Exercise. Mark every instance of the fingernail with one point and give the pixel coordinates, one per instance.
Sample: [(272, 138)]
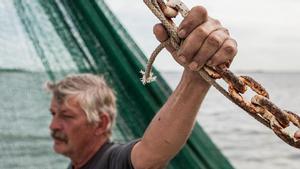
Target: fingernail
[(182, 59), (193, 66), (182, 33)]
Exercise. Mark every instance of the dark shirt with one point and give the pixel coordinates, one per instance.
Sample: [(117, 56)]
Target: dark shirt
[(111, 156)]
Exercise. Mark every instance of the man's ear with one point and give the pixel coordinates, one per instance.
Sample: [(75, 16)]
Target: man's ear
[(103, 124)]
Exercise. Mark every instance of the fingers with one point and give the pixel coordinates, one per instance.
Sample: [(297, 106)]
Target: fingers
[(195, 40), (205, 41), (196, 17), (225, 54), (162, 35), (210, 46), (160, 32)]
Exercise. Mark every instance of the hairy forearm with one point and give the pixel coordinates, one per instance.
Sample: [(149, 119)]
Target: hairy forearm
[(172, 125)]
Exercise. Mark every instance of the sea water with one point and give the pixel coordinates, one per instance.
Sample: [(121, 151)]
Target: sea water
[(24, 118)]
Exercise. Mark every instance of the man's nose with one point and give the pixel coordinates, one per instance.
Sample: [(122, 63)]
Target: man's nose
[(55, 124)]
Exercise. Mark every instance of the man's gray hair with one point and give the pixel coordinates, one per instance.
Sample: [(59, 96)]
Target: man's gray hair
[(92, 93)]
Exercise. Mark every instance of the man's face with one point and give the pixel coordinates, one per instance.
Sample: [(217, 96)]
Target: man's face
[(69, 127)]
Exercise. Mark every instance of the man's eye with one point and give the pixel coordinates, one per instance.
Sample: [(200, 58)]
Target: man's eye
[(67, 116)]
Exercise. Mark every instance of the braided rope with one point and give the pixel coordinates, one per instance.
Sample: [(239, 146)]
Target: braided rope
[(147, 74)]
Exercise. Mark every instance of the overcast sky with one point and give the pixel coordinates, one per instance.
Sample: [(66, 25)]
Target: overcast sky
[(267, 31)]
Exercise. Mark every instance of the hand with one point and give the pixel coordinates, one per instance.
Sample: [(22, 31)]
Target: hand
[(205, 41)]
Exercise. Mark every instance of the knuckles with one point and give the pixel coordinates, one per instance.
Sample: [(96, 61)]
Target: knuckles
[(214, 40), (201, 31)]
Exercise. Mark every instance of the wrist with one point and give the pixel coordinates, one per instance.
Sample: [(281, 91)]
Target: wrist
[(193, 77)]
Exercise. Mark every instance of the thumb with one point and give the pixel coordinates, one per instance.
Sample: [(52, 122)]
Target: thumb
[(161, 35)]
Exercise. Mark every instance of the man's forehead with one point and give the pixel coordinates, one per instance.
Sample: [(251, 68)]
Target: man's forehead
[(68, 104), (61, 104)]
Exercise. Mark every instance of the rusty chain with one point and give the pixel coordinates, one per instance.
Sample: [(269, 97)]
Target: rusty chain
[(260, 107)]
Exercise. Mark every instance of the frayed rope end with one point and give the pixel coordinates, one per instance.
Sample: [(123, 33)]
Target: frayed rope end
[(149, 79)]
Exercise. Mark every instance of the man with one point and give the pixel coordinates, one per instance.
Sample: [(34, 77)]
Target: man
[(83, 106)]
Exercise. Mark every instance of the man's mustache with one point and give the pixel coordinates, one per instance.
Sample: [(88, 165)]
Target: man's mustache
[(59, 136)]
